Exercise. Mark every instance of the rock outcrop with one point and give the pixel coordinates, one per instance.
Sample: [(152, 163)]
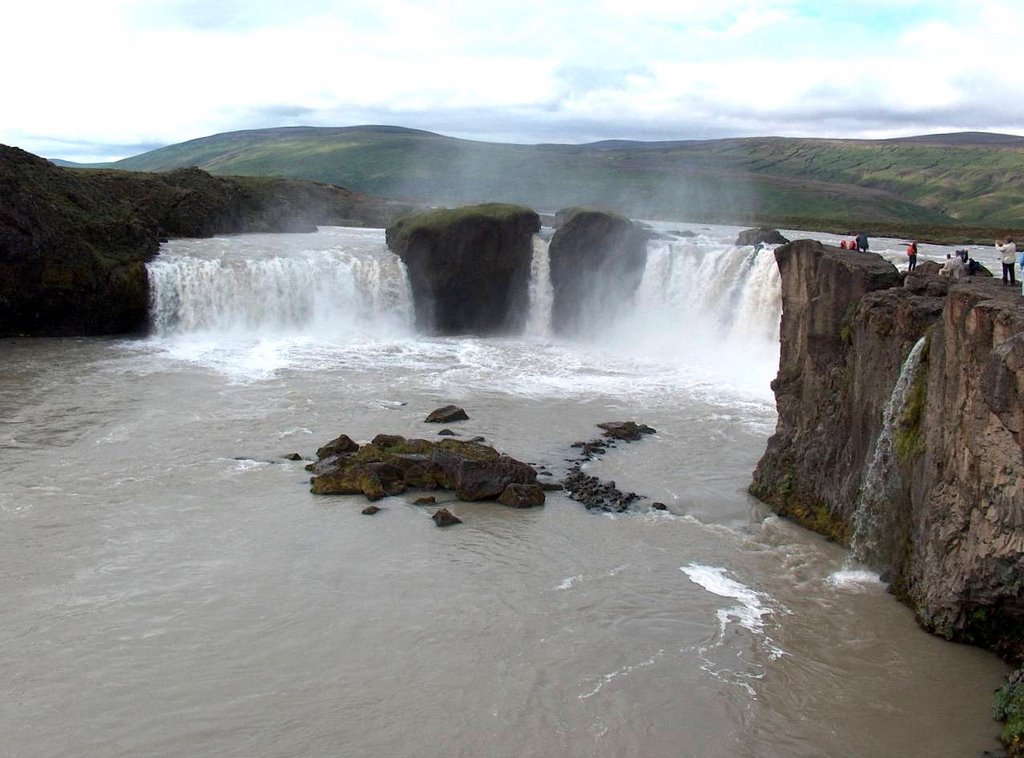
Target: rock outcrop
[(597, 262), (391, 464), (951, 503), (469, 267), (762, 235), (74, 242)]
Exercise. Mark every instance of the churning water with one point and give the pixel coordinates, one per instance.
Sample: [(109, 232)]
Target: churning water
[(170, 587)]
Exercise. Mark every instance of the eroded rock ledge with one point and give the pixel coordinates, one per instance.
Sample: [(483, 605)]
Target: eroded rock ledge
[(953, 547)]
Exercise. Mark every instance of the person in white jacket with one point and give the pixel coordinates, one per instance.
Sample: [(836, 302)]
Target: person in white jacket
[(1008, 255)]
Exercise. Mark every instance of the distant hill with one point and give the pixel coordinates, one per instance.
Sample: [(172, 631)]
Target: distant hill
[(970, 178)]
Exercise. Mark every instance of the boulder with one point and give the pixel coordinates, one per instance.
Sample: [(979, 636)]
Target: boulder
[(371, 510), (445, 415), (338, 446), (469, 267), (762, 235), (522, 495), (444, 517), (630, 431), (597, 261)]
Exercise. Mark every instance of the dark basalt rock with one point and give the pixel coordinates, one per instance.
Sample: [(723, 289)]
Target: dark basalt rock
[(292, 457), (391, 464), (522, 495), (338, 446), (428, 500), (446, 433), (444, 517), (629, 431), (760, 236), (597, 262), (590, 490), (446, 415), (74, 242), (371, 510), (659, 507), (469, 267)]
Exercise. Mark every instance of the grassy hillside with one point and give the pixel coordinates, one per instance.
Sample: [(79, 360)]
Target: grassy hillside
[(971, 179)]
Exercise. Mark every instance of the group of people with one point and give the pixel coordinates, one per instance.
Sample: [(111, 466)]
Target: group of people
[(859, 243), (958, 263)]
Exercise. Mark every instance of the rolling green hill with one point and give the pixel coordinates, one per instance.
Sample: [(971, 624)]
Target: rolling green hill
[(960, 180)]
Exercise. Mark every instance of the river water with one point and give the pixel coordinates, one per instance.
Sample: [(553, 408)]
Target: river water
[(171, 588)]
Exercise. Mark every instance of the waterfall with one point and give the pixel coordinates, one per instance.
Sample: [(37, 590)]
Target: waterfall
[(874, 514), (244, 290), (542, 295), (734, 292)]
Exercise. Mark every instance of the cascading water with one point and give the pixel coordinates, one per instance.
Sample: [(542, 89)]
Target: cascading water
[(542, 295), (315, 287), (873, 517)]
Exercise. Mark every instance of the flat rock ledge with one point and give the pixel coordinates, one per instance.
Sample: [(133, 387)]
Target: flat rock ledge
[(391, 464)]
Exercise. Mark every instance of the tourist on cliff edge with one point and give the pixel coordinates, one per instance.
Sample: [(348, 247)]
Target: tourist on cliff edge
[(911, 256), (1008, 254), (862, 242)]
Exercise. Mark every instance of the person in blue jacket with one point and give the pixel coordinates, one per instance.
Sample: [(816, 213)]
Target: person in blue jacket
[(862, 242)]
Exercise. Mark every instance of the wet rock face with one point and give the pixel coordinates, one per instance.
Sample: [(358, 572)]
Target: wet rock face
[(956, 552), (597, 263), (469, 267)]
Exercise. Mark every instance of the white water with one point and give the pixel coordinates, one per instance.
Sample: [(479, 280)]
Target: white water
[(542, 294), (872, 520)]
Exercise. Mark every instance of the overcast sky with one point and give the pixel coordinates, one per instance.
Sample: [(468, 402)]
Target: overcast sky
[(105, 79)]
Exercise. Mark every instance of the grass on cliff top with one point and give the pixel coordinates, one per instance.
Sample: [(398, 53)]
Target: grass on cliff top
[(436, 221)]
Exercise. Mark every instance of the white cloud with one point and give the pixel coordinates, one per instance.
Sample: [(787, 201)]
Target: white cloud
[(134, 73)]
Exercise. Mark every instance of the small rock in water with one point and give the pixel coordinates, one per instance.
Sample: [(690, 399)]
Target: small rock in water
[(428, 500), (444, 517), (446, 414), (659, 506), (522, 495), (446, 433), (478, 439), (370, 510), (292, 457)]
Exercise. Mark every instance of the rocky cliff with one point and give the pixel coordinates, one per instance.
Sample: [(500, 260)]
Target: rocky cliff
[(919, 465), (469, 268), (597, 262), (73, 243)]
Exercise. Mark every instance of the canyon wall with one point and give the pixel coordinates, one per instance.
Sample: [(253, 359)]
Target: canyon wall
[(948, 513)]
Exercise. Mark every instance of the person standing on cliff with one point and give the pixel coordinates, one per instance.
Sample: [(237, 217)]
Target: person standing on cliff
[(1008, 255), (862, 242), (912, 256)]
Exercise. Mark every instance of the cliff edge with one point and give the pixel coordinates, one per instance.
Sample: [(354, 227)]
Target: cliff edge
[(901, 412)]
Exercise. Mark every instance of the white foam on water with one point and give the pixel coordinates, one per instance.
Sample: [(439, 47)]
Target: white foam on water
[(856, 580), (604, 679), (751, 611)]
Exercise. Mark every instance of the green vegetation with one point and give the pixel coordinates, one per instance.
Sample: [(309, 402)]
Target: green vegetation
[(1009, 709), (958, 189), (786, 499), (438, 221)]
